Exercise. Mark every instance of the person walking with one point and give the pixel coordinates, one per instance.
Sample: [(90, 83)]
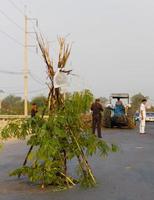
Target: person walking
[(142, 116), (96, 109)]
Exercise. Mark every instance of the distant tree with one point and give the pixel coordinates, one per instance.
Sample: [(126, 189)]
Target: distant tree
[(103, 100), (136, 101), (41, 102), (151, 109), (12, 105)]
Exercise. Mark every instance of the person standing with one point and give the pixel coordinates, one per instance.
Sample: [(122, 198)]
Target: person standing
[(34, 110), (142, 116), (96, 109), (119, 109)]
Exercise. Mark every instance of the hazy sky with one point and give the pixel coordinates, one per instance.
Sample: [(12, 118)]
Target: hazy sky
[(113, 44)]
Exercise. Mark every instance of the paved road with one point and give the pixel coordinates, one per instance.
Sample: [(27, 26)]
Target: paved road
[(126, 175)]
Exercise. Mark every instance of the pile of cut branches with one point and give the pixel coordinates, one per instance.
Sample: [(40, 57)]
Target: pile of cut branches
[(61, 137)]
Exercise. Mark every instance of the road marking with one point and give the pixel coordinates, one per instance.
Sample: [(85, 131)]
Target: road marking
[(128, 167)]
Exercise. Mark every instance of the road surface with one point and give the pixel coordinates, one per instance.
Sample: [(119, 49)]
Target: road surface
[(126, 175)]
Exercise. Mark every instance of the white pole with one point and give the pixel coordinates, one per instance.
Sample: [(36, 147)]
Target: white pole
[(26, 67)]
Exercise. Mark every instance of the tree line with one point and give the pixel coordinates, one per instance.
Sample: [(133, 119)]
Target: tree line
[(14, 105)]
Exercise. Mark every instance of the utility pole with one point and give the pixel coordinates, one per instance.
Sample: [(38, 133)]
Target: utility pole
[(26, 69), (26, 66)]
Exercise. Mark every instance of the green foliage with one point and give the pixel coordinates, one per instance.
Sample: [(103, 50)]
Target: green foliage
[(12, 105), (41, 102), (61, 137), (136, 101)]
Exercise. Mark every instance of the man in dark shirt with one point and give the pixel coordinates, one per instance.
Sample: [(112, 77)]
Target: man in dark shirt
[(96, 109)]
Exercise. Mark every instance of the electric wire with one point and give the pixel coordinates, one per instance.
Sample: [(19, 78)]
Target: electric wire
[(35, 79), (17, 42), (12, 21), (11, 72), (30, 92), (17, 8), (11, 37)]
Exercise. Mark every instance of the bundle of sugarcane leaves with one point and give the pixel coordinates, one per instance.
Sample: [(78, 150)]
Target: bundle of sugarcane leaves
[(61, 137)]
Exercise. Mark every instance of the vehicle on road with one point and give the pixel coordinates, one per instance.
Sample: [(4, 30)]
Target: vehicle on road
[(149, 117), (119, 116)]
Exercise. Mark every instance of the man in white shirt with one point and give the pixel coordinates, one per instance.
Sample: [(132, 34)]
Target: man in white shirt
[(142, 116)]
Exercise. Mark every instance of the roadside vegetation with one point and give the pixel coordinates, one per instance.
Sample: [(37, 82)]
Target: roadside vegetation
[(63, 136)]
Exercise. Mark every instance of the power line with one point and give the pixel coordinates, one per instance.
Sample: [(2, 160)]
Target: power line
[(36, 91), (15, 6), (11, 37), (12, 21), (11, 72), (23, 14), (17, 25), (9, 87), (30, 92), (35, 79)]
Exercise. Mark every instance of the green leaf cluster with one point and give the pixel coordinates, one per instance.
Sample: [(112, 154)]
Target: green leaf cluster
[(63, 136)]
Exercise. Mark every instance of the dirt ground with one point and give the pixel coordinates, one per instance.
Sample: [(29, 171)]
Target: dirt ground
[(126, 175)]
